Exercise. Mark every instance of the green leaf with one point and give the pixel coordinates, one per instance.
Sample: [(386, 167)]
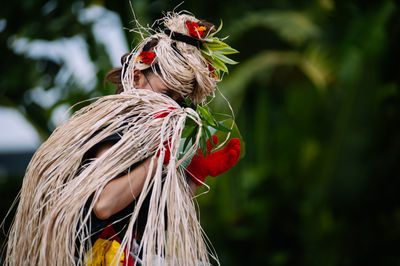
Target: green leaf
[(203, 143), (215, 62), (185, 144), (192, 137), (206, 115), (216, 45), (206, 52), (190, 122), (217, 74), (187, 131), (219, 28), (209, 135), (222, 116), (222, 127), (228, 50), (225, 59)]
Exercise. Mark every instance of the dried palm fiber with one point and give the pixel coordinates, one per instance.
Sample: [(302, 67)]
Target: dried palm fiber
[(55, 188), (51, 217)]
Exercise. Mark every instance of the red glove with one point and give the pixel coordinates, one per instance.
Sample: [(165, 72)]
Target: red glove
[(215, 163)]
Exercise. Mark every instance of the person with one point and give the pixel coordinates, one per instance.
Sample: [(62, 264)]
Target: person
[(114, 180), (115, 196)]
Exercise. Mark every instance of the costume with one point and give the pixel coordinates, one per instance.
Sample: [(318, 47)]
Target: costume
[(59, 192), (105, 235)]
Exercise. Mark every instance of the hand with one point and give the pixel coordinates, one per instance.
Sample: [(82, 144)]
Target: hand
[(215, 163)]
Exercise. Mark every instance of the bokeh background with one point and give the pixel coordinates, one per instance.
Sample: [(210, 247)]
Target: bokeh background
[(316, 96)]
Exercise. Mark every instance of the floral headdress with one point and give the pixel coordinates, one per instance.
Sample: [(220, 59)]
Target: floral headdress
[(145, 59)]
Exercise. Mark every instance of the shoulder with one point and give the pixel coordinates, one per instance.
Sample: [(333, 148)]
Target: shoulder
[(102, 147)]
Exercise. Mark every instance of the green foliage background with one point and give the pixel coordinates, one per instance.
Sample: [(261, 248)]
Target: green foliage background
[(316, 95)]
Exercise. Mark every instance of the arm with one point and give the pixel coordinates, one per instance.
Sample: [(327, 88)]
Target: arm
[(120, 192)]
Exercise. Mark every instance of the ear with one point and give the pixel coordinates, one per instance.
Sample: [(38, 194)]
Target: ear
[(137, 77)]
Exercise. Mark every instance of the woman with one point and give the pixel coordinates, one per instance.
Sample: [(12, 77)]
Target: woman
[(124, 160), (115, 196)]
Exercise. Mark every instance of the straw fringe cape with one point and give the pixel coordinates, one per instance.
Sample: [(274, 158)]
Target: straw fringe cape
[(50, 216)]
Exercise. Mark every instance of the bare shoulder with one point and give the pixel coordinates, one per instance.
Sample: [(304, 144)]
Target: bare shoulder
[(103, 147)]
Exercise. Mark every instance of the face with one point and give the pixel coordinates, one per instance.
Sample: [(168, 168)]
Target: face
[(152, 82)]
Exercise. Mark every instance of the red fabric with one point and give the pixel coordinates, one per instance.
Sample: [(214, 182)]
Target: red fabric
[(162, 114), (215, 163), (110, 234), (130, 262), (167, 154)]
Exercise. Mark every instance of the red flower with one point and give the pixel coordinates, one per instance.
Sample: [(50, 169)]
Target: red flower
[(195, 30), (210, 68), (147, 57)]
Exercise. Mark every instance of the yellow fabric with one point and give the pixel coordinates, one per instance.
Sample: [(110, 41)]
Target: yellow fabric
[(103, 253)]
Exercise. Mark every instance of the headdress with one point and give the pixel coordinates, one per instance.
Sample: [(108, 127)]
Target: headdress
[(58, 191), (188, 55)]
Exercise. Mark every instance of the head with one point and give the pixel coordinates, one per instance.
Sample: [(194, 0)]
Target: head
[(169, 65)]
